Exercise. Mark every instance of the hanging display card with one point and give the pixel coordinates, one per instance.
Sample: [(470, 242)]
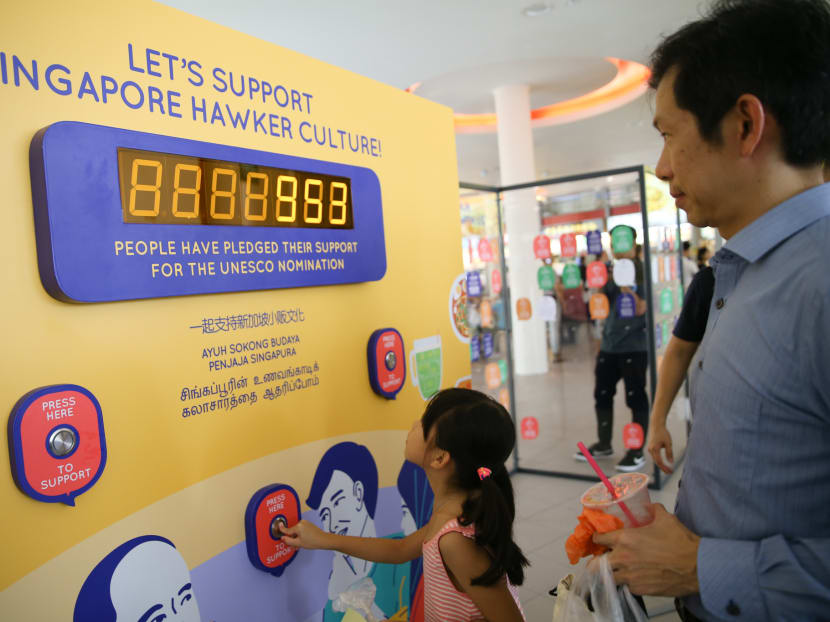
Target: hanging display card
[(567, 243), (622, 239), (626, 306), (598, 306), (571, 277), (485, 251), (541, 247), (546, 277), (487, 345), (594, 241), (473, 284), (596, 274), (495, 282), (624, 273), (546, 308)]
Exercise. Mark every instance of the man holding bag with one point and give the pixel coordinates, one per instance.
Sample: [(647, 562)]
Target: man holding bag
[(743, 105)]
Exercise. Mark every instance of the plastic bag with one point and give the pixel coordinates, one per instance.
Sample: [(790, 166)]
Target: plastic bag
[(594, 597), (359, 597)]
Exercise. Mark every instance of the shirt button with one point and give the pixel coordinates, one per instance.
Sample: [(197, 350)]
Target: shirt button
[(719, 304), (733, 609)]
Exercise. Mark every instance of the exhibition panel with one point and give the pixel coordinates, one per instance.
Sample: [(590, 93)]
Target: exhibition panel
[(227, 284)]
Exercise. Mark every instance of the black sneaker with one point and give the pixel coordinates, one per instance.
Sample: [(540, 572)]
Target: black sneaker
[(632, 461), (597, 450)]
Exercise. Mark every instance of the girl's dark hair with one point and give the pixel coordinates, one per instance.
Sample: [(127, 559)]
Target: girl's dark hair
[(478, 432)]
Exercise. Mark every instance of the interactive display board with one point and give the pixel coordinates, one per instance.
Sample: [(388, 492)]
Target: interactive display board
[(89, 227), (236, 220)]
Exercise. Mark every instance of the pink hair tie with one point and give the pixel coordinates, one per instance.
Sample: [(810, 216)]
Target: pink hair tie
[(483, 473)]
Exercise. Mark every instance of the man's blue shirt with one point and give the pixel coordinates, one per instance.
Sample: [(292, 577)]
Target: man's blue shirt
[(756, 481)]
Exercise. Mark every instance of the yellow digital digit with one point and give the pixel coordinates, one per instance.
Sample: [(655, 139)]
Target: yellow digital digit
[(261, 211), (314, 202), (291, 198), (187, 191), (338, 203), (223, 194), (136, 187)]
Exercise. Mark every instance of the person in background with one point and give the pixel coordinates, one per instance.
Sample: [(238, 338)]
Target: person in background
[(690, 267), (702, 257), (686, 337), (623, 354), (742, 99)]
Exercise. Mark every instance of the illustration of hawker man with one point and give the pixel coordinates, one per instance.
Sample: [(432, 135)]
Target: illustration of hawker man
[(143, 580), (345, 492)]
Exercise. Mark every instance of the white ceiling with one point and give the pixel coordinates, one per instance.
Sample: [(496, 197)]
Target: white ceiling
[(462, 49)]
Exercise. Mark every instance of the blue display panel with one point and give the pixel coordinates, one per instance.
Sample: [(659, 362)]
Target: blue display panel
[(123, 215)]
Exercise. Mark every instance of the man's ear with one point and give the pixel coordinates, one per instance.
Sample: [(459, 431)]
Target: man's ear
[(752, 122), (358, 494)]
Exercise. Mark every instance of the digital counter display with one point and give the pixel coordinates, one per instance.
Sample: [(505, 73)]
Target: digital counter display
[(121, 215), (162, 188)]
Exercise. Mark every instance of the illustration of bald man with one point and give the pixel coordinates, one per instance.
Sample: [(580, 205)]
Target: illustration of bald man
[(143, 580)]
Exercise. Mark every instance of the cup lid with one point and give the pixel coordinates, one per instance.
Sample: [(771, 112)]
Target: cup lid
[(625, 484)]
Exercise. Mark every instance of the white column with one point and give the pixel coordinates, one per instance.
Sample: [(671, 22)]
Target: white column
[(521, 221)]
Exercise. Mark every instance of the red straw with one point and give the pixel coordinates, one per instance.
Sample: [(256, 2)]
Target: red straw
[(607, 482)]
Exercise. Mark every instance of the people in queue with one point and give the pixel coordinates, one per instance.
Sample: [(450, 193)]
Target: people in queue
[(686, 337), (742, 103), (690, 267), (623, 354), (471, 565)]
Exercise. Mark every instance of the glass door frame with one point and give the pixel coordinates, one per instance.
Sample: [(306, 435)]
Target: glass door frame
[(659, 479)]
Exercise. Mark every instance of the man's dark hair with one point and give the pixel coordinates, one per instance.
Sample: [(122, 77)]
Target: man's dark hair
[(777, 50), (686, 245)]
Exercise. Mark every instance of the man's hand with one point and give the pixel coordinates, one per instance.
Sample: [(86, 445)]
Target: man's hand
[(659, 438), (304, 535), (659, 559)]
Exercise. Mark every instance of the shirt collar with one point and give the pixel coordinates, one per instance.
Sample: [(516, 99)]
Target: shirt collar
[(782, 221)]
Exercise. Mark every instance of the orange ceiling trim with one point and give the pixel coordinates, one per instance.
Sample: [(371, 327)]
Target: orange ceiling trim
[(629, 82)]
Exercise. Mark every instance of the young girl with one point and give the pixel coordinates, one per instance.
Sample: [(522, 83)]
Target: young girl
[(471, 565)]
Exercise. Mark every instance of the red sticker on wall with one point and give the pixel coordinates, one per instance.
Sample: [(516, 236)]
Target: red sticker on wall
[(633, 436), (530, 428)]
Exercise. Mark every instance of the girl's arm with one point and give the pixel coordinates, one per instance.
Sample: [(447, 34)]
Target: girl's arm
[(465, 560), (670, 376), (307, 535)]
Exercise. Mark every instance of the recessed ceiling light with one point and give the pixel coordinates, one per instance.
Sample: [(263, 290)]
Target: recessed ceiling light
[(537, 9)]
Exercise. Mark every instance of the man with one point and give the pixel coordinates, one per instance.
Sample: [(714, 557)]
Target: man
[(743, 104), (623, 354), (689, 265), (345, 493)]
